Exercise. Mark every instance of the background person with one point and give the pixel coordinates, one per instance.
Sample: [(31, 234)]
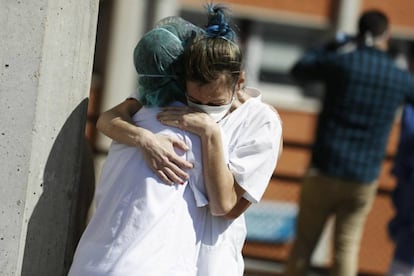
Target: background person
[(401, 227), (364, 88)]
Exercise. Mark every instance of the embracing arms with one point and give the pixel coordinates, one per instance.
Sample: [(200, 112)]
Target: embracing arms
[(224, 193), (117, 124), (253, 153), (157, 150)]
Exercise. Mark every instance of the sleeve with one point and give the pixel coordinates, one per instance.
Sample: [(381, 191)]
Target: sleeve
[(253, 160), (134, 95)]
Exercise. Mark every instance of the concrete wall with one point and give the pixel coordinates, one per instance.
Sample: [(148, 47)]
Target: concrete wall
[(45, 71)]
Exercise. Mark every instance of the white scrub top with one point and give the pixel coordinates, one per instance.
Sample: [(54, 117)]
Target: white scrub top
[(142, 226), (165, 232), (251, 135)]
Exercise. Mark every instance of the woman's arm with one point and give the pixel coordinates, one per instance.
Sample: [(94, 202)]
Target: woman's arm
[(116, 123), (222, 189), (158, 150), (224, 193)]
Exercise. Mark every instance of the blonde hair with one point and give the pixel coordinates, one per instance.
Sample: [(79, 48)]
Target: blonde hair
[(215, 52)]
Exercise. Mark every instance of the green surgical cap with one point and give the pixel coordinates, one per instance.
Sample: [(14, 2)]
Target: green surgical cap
[(159, 63)]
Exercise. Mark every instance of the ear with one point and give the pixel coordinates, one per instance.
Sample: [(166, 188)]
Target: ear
[(383, 41), (241, 80)]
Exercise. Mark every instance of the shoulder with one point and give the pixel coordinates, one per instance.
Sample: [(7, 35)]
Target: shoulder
[(383, 61), (260, 111), (403, 77), (150, 112)]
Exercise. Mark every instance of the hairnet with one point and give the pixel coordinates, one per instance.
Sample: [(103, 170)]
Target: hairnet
[(158, 61)]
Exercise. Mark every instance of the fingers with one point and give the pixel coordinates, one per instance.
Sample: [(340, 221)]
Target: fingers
[(163, 177), (170, 177), (176, 166), (178, 143), (177, 109), (172, 121), (178, 163), (170, 172), (175, 113), (163, 160)]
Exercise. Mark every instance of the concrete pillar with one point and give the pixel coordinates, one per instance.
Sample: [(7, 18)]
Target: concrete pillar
[(348, 13), (46, 63), (129, 22)]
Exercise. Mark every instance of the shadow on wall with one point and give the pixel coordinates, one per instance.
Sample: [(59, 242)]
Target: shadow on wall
[(59, 217)]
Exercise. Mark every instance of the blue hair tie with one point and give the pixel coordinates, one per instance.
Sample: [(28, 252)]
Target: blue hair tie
[(218, 30), (217, 25), (213, 29)]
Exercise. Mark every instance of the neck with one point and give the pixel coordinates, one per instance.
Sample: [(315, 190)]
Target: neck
[(381, 45), (379, 42)]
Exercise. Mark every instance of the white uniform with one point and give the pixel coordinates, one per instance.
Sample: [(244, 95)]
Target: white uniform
[(251, 135), (167, 233), (142, 226)]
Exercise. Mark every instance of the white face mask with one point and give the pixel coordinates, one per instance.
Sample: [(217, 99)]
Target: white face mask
[(215, 112)]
